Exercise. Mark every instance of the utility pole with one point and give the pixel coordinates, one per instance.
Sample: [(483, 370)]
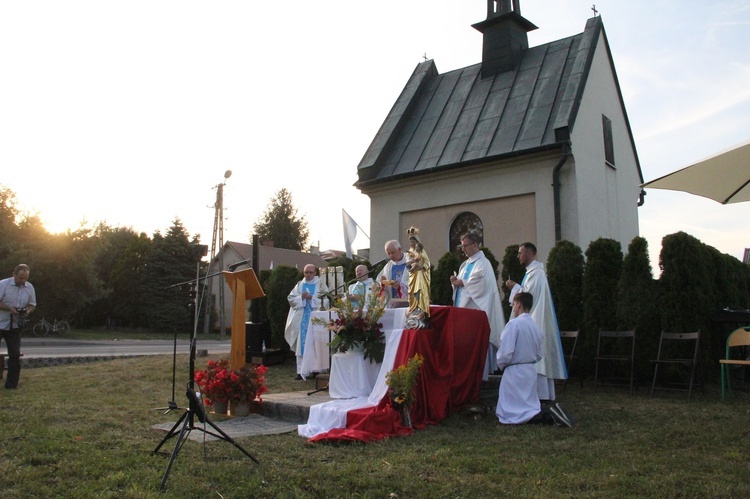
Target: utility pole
[(217, 245)]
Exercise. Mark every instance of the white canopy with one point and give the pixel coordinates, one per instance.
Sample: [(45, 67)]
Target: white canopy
[(724, 177)]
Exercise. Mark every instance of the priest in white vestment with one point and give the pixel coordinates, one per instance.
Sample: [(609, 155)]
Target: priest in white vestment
[(303, 300), (394, 277), (552, 365), (475, 287), (360, 292)]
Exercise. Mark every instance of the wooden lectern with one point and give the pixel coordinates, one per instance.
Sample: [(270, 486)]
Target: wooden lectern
[(244, 286)]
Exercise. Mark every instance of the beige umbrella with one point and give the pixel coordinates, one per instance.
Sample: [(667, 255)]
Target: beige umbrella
[(724, 177)]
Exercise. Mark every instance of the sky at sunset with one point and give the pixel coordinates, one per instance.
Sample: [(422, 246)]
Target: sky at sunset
[(129, 113)]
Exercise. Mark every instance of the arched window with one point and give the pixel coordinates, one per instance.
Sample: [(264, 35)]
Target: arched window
[(465, 222)]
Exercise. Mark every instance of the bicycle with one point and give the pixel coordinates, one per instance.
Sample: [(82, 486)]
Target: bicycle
[(44, 327)]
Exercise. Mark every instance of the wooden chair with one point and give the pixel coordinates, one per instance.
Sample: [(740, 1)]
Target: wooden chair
[(569, 340), (678, 351), (738, 338), (616, 348)]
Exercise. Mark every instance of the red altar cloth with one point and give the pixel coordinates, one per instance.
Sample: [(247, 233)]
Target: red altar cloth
[(454, 351)]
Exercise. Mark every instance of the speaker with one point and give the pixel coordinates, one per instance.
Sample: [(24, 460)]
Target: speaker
[(255, 334)]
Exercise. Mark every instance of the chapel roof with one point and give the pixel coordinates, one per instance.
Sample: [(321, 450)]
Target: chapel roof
[(464, 117)]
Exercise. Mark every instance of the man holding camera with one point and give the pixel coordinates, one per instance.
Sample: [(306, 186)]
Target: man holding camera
[(17, 299)]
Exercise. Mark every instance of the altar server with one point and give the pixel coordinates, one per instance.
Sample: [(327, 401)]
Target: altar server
[(303, 300), (475, 286), (520, 349), (552, 365)]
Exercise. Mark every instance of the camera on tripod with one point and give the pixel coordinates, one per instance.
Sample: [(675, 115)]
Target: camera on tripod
[(21, 317)]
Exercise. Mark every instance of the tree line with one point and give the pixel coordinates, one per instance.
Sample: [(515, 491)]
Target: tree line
[(102, 276), (116, 277)]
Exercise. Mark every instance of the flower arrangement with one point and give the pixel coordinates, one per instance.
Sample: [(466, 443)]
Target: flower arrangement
[(358, 327), (401, 382), (219, 383)]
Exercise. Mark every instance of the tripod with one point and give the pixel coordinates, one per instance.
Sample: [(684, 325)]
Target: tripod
[(186, 423)]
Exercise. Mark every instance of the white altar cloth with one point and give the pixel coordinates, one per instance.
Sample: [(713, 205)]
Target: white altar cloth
[(329, 415), (352, 376), (316, 358)]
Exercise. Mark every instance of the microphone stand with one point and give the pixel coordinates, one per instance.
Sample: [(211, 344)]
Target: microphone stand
[(195, 404), (172, 405)]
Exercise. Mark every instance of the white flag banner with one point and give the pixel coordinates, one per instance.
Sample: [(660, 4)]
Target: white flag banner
[(350, 232)]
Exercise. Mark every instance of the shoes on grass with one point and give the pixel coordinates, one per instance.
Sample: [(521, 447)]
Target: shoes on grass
[(561, 417), (298, 378)]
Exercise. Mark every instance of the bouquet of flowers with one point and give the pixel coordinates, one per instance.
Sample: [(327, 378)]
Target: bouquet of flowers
[(358, 327), (219, 383), (401, 382)]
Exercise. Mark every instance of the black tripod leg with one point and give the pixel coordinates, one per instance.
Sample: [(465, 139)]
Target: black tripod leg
[(229, 439), (322, 389), (177, 446), (171, 433)]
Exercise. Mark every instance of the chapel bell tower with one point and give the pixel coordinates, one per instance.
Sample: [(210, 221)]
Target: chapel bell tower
[(505, 36)]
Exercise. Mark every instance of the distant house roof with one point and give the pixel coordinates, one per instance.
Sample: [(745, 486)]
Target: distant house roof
[(268, 255), (461, 118)]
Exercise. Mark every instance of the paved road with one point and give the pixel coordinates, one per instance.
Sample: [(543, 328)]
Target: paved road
[(61, 347)]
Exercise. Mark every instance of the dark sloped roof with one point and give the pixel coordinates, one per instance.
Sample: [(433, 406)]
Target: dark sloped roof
[(237, 252), (459, 118)]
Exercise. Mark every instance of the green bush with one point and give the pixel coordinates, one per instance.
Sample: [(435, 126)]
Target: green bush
[(638, 304), (565, 273), (600, 277), (690, 295), (687, 283), (493, 261), (441, 291), (279, 284)]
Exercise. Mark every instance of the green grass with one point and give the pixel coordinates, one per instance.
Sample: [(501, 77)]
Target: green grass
[(85, 431)]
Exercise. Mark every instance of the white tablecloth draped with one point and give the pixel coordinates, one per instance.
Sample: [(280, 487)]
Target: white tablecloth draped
[(316, 358), (352, 376), (329, 415)]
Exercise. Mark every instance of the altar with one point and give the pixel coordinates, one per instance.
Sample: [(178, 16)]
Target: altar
[(352, 376), (454, 351)]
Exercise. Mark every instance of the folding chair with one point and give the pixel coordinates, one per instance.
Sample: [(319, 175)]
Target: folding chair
[(616, 348), (738, 338), (569, 340), (676, 351)]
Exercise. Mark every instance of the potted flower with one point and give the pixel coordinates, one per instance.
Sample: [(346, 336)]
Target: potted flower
[(214, 384), (222, 386), (246, 385), (358, 329), (401, 382)]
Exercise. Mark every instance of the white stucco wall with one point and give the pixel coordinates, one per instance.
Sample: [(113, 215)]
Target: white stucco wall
[(605, 197), (391, 204)]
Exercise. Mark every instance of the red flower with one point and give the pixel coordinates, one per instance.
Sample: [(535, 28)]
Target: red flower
[(219, 383)]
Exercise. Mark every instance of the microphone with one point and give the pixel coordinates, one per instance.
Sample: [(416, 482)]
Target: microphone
[(373, 267), (377, 264), (235, 265)]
